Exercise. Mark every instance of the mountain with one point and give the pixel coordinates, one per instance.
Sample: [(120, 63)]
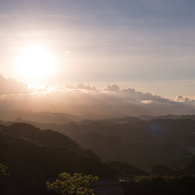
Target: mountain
[(116, 137), (130, 129), (161, 170), (175, 117), (2, 122), (180, 132), (39, 117), (45, 137), (28, 159), (187, 168), (142, 155), (168, 116), (126, 168), (111, 121)]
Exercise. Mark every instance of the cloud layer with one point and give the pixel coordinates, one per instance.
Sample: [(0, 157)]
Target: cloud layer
[(10, 85), (85, 99)]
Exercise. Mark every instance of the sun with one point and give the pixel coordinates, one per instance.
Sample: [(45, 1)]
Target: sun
[(35, 62)]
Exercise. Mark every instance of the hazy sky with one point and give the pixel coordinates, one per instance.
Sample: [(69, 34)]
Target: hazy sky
[(147, 45)]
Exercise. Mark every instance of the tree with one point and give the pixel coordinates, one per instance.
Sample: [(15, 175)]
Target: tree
[(73, 185), (3, 169)]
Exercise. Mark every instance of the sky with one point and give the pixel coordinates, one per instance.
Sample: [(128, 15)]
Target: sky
[(101, 50)]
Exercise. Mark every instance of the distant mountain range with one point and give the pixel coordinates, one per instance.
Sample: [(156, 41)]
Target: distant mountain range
[(65, 118), (39, 117), (142, 155), (165, 140), (127, 148)]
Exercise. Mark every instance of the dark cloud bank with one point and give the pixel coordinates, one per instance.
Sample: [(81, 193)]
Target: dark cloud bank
[(87, 100)]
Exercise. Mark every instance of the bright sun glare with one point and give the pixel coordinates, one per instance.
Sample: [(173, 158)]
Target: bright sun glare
[(35, 62)]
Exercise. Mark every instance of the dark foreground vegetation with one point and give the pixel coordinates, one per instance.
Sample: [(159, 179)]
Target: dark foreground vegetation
[(30, 157), (155, 185)]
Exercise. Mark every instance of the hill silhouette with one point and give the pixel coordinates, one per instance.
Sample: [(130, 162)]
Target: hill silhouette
[(27, 158), (45, 137), (126, 168), (143, 155)]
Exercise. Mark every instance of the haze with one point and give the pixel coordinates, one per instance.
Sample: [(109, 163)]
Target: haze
[(101, 57)]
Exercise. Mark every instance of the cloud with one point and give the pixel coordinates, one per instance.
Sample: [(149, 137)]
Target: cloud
[(133, 95), (86, 99), (67, 52), (10, 85), (79, 87), (146, 101), (185, 100), (112, 88), (87, 87)]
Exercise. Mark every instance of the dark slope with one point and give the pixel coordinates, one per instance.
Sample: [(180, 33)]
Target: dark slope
[(112, 121), (187, 168), (143, 155), (15, 186), (177, 125), (127, 169), (125, 132), (180, 132), (163, 170), (45, 137), (27, 159)]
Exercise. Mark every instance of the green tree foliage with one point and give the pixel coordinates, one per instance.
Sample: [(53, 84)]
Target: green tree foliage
[(3, 169), (75, 184)]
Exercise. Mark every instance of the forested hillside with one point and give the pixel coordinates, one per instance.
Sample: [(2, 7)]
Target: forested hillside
[(143, 155), (35, 155), (28, 158), (180, 132), (45, 137)]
